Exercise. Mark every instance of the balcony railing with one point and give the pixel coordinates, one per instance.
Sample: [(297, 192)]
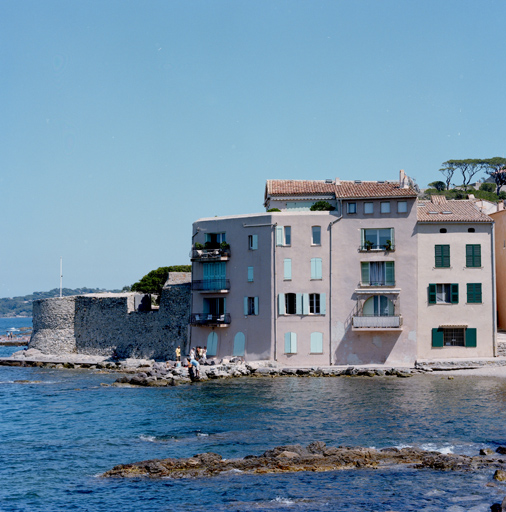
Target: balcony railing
[(380, 282), (211, 285), (210, 254), (376, 247), (377, 322), (208, 319)]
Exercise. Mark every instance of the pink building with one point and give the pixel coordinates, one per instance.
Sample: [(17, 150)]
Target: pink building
[(311, 288)]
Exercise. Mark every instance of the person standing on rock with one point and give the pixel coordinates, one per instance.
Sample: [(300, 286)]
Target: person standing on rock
[(178, 354)]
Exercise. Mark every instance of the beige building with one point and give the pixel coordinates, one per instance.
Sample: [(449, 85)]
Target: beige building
[(381, 278), (456, 287), (500, 264)]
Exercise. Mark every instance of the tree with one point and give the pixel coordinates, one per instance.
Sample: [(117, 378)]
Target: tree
[(438, 185), (496, 168), (468, 168), (153, 281)]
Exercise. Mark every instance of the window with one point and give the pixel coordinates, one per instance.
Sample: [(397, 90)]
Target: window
[(250, 274), (378, 305), (470, 230), (316, 235), (287, 269), (368, 208), (453, 337), (378, 273), (290, 343), (351, 208), (283, 235), (252, 242), (444, 293), (385, 207), (215, 275), (474, 293), (473, 255), (377, 239), (290, 303), (443, 230), (250, 306), (402, 206), (213, 240), (442, 256), (316, 268), (214, 306), (316, 343)]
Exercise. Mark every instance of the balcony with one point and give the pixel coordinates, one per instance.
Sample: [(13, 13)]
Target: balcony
[(211, 254), (206, 319), (377, 323), (211, 285), (375, 247), (377, 284)]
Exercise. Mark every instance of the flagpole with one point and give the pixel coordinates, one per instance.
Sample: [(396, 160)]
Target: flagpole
[(61, 277)]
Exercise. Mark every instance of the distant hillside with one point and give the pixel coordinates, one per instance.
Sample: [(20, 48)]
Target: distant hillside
[(22, 306)]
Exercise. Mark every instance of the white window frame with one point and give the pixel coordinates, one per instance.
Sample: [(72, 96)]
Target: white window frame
[(251, 306), (318, 230)]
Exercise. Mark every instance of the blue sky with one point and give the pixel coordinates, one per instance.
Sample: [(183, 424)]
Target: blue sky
[(124, 121)]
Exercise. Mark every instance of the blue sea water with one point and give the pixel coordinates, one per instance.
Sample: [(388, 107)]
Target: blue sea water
[(62, 429)]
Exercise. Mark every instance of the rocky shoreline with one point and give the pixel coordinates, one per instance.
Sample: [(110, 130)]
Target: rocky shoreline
[(315, 457)]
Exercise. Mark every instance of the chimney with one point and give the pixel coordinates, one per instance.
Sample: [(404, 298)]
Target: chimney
[(403, 182), (500, 206), (338, 181)]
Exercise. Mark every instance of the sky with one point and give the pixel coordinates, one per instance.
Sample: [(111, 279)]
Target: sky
[(122, 122)]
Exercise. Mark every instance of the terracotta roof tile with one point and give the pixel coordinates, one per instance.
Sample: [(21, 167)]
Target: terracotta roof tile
[(344, 190), (455, 210)]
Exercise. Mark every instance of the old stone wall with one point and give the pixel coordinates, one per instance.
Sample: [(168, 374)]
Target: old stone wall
[(111, 325)]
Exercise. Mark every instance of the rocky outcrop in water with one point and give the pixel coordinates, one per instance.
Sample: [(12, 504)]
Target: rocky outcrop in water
[(294, 458)]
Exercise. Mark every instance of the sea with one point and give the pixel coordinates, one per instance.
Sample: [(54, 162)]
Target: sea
[(61, 429)]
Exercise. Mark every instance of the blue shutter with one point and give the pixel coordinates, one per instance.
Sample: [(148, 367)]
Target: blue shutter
[(298, 303), (255, 300), (287, 268), (212, 344), (293, 343), (254, 243), (305, 303), (250, 274), (246, 306), (319, 272), (239, 344), (316, 343), (279, 235), (313, 268), (281, 304), (323, 306)]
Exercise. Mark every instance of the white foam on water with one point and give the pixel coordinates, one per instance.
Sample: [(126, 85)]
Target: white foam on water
[(283, 501), (149, 439), (431, 447), (201, 434)]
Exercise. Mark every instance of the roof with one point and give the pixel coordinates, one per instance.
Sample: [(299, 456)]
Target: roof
[(340, 190), (455, 210)]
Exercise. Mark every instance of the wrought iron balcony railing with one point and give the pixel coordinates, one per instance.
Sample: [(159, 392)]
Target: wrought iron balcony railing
[(208, 285), (210, 254), (209, 319), (377, 322)]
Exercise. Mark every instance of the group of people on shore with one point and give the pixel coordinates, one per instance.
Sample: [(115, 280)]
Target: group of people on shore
[(196, 356)]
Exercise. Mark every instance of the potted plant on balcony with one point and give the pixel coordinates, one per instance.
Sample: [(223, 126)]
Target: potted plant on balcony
[(225, 247), (198, 247), (368, 245), (388, 246)]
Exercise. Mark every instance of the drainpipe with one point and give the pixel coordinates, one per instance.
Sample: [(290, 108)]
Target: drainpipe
[(331, 224), (189, 338), (494, 298)]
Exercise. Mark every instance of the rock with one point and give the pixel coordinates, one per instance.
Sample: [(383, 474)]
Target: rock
[(287, 455), (501, 450), (500, 475), (486, 451)]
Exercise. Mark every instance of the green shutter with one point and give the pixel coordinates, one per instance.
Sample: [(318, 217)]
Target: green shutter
[(390, 273), (437, 337), (432, 294), (473, 255), (446, 255), (442, 256), (365, 272), (362, 239), (470, 337), (454, 292), (474, 293), (392, 239)]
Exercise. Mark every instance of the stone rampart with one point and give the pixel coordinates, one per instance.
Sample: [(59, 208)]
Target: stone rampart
[(115, 324)]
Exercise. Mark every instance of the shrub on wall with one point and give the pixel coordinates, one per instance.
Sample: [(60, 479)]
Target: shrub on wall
[(322, 206), (153, 281)]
